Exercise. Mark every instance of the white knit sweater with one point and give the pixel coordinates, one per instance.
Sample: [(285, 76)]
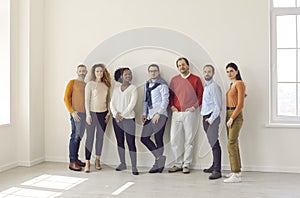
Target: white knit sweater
[(124, 101)]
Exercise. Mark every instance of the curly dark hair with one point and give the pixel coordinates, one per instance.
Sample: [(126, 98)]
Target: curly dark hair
[(119, 72)]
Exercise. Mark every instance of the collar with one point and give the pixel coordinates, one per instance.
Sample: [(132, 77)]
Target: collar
[(185, 77), (152, 81), (158, 80), (209, 82)]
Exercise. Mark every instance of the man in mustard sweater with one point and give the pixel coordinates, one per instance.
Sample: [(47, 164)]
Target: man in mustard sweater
[(74, 101)]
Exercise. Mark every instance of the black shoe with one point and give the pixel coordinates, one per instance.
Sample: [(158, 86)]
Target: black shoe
[(208, 170), (160, 170), (80, 163), (215, 175), (161, 163), (135, 171), (121, 167), (154, 169)]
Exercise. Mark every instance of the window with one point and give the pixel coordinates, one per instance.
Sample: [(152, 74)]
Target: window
[(4, 62), (285, 61)]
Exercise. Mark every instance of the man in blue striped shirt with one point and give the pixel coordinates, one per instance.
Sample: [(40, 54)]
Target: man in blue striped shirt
[(155, 103), (211, 108)]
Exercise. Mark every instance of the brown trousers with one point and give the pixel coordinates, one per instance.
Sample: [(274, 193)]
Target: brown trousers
[(233, 142)]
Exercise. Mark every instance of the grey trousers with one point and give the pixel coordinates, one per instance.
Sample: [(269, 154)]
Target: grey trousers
[(212, 133), (98, 126)]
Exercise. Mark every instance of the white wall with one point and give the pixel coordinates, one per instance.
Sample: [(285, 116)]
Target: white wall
[(30, 135), (22, 141), (229, 30)]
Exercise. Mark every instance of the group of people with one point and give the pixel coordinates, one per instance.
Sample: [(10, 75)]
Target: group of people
[(90, 106)]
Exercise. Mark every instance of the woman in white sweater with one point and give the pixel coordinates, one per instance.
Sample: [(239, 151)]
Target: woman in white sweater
[(122, 103), (97, 100)]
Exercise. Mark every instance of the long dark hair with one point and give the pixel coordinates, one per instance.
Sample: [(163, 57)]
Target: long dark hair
[(235, 67)]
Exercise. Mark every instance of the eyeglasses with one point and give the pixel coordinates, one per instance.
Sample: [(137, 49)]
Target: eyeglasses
[(153, 71)]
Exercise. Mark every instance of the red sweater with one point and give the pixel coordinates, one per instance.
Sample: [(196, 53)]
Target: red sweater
[(185, 93)]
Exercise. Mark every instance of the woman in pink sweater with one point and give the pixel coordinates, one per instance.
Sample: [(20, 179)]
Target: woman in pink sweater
[(97, 100)]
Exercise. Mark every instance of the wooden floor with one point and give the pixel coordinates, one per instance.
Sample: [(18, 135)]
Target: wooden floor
[(55, 180)]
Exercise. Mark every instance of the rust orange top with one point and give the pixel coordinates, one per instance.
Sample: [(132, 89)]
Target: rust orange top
[(235, 97), (74, 96)]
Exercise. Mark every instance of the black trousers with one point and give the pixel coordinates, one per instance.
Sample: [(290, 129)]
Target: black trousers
[(212, 133), (126, 128), (158, 130)]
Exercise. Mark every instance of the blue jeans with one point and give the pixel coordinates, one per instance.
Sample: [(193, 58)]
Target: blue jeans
[(76, 136)]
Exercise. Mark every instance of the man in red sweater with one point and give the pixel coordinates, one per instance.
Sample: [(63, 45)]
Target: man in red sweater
[(186, 92)]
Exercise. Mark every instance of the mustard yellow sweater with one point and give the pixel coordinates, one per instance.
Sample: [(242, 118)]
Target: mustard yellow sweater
[(74, 96)]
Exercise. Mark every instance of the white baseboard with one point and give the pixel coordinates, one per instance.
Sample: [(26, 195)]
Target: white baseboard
[(56, 159), (272, 169), (21, 163), (225, 167), (8, 166), (32, 162)]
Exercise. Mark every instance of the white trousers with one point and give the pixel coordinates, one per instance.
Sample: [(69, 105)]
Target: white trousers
[(184, 127)]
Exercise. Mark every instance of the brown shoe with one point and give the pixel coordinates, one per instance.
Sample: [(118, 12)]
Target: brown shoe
[(87, 166), (73, 166), (97, 164), (80, 163), (174, 169)]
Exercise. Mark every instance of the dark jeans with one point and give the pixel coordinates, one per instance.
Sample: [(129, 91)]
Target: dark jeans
[(212, 132), (76, 136), (98, 124), (125, 128), (158, 130)]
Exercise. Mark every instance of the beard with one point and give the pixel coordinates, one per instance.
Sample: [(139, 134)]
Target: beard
[(82, 76), (207, 78)]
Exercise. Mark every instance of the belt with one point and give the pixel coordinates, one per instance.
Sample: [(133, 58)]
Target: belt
[(207, 116), (230, 108)]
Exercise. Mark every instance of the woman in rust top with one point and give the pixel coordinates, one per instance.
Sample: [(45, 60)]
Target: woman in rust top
[(234, 119)]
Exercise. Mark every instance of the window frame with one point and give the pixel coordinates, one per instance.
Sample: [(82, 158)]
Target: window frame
[(274, 117), (5, 34)]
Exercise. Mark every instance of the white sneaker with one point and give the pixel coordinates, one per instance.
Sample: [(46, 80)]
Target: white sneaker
[(230, 174), (235, 178)]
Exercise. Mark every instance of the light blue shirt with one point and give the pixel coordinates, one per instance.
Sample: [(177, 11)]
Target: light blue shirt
[(212, 100), (160, 101)]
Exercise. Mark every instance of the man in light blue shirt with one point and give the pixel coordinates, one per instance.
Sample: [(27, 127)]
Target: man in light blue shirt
[(211, 108), (155, 103)]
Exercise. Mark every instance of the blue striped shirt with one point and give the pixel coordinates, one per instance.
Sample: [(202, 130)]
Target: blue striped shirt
[(212, 100), (160, 101)]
